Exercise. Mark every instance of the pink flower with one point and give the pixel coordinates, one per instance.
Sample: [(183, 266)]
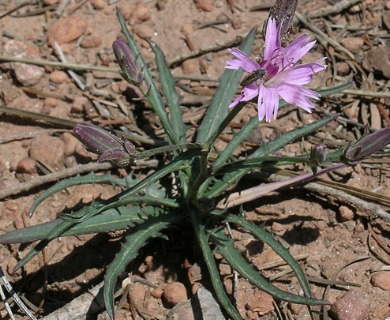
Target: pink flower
[(278, 75)]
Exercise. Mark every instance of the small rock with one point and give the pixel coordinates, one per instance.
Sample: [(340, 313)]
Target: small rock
[(157, 293), (190, 66), (205, 5), (26, 74), (140, 13), (343, 68), (71, 143), (277, 227), (378, 59), (225, 269), (51, 102), (79, 104), (27, 165), (353, 44), (174, 293), (351, 306), (125, 8), (98, 4), (260, 302), (48, 150), (58, 77), (381, 280), (65, 30), (346, 214), (90, 42), (388, 4), (143, 31)]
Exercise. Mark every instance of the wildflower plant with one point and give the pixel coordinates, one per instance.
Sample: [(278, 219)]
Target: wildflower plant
[(199, 198)]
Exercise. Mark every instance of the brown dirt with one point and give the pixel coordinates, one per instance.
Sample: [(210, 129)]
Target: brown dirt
[(330, 233)]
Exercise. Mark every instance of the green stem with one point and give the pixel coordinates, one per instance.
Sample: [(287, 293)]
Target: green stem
[(169, 148)]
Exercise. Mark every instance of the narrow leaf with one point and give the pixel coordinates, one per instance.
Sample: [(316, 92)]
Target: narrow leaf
[(264, 150), (224, 95), (168, 88), (129, 251), (238, 263), (152, 95)]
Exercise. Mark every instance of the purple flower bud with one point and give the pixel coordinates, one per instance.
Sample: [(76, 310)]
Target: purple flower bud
[(366, 146), (283, 12), (131, 70), (110, 148)]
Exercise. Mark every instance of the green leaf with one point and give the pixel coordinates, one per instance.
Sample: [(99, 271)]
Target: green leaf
[(152, 94), (238, 263), (231, 178), (109, 220), (129, 251), (168, 88), (224, 95), (268, 238), (90, 178), (213, 270)]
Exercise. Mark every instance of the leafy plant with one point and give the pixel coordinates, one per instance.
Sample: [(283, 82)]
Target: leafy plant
[(201, 178)]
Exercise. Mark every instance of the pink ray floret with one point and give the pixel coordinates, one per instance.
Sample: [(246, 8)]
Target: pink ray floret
[(283, 78)]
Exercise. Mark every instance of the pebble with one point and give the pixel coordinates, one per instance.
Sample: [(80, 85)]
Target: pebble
[(71, 143), (48, 150), (58, 77), (260, 302), (277, 227), (90, 42), (125, 8), (79, 104), (98, 4), (67, 29), (26, 74), (378, 59), (388, 4), (205, 5), (351, 306), (174, 293), (51, 102), (343, 68), (190, 66), (381, 280), (353, 44), (140, 13), (27, 165), (143, 31), (346, 213), (157, 293)]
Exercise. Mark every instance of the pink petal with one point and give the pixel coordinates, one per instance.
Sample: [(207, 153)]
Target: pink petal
[(297, 96), (243, 61), (268, 103), (272, 39), (298, 48)]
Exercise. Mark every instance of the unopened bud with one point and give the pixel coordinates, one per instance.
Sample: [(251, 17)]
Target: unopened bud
[(131, 70), (366, 146), (109, 147), (283, 12), (317, 156)]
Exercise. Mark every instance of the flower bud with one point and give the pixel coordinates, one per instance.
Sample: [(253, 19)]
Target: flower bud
[(366, 146), (317, 156), (283, 12), (108, 146), (131, 70)]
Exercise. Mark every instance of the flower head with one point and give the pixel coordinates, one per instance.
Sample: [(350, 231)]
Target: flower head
[(278, 75)]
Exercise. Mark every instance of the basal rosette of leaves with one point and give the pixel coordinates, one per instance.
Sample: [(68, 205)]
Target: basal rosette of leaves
[(201, 181)]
